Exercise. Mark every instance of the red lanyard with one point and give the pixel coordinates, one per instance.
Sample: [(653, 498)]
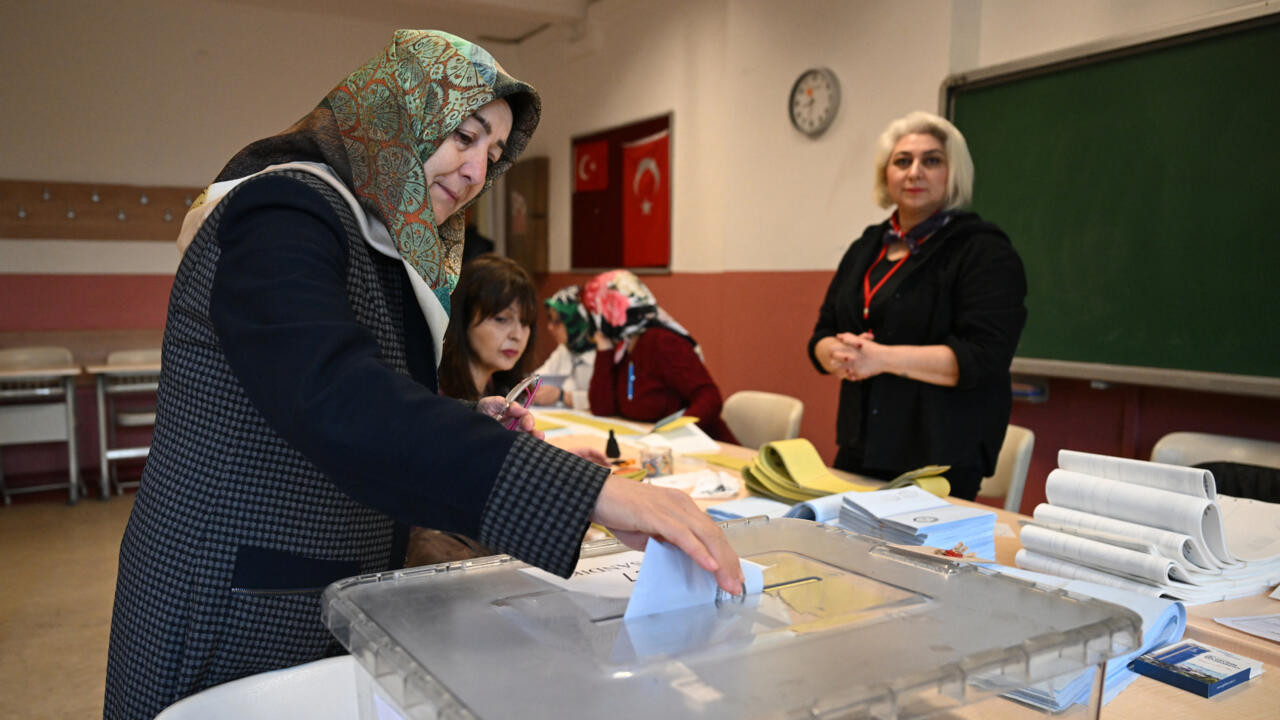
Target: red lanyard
[(869, 292)]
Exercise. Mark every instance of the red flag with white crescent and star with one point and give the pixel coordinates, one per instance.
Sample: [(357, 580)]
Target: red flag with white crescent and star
[(591, 166), (646, 201)]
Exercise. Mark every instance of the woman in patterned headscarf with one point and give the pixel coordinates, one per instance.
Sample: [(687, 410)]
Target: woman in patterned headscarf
[(575, 355), (647, 365), (298, 432)]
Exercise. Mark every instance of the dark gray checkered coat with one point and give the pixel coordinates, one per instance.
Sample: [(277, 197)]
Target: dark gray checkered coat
[(235, 532)]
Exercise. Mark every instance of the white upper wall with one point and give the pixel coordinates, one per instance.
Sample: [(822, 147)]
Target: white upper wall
[(152, 92), (751, 193), (1015, 29), (161, 92)]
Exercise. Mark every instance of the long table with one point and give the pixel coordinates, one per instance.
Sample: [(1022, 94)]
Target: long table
[(1145, 699)]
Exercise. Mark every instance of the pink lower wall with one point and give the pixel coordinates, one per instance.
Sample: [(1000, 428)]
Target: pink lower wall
[(83, 302), (753, 327)]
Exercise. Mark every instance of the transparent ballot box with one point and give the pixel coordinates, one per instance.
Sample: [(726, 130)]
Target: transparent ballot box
[(847, 626)]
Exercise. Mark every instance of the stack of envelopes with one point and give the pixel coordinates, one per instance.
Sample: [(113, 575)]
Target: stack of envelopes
[(912, 516)]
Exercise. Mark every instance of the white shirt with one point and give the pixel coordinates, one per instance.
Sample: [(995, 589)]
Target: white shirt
[(575, 369)]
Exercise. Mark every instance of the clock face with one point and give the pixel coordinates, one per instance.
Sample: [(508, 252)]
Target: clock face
[(815, 98)]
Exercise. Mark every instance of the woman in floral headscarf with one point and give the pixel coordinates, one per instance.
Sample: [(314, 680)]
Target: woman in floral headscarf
[(647, 365), (298, 432), (575, 355)]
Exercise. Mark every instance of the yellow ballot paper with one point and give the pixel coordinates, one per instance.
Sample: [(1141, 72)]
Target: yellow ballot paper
[(792, 471), (802, 464), (928, 477), (731, 462), (542, 424), (597, 423)]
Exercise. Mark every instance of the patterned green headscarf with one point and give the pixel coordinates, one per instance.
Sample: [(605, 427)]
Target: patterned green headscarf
[(394, 113), (378, 127), (577, 322)]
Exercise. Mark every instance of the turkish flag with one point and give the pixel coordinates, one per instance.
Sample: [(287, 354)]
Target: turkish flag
[(646, 201), (591, 163)]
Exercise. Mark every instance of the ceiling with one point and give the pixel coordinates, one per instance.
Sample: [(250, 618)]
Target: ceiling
[(486, 21)]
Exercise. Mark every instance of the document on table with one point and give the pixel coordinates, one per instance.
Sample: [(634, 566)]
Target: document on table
[(611, 575), (1196, 482), (1197, 517), (1263, 626)]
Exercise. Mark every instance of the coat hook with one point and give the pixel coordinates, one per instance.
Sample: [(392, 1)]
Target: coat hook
[(144, 199), (187, 200), (120, 215), (168, 215), (95, 197), (22, 213), (71, 213), (46, 195)]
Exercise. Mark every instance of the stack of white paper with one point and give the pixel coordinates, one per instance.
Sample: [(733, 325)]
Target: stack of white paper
[(913, 516), (1155, 529)]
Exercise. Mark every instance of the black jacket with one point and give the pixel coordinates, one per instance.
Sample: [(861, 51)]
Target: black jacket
[(964, 289), (295, 426)]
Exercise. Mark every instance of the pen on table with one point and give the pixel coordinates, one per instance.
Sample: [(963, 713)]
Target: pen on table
[(657, 426), (631, 380)]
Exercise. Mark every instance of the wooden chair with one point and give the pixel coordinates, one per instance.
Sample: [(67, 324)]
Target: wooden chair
[(1011, 468), (757, 417)]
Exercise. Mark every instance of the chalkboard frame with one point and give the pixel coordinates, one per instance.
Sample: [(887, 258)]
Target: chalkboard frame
[(1230, 21)]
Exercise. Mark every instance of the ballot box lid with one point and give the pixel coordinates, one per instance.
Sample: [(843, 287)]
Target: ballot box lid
[(847, 626)]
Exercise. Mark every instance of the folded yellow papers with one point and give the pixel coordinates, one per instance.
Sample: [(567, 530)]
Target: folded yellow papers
[(791, 471)]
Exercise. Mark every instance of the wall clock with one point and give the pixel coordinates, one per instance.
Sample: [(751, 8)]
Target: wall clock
[(815, 98)]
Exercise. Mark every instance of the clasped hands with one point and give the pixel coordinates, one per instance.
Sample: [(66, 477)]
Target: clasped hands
[(853, 357)]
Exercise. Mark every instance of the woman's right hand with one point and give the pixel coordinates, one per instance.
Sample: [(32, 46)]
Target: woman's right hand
[(635, 512), (504, 412)]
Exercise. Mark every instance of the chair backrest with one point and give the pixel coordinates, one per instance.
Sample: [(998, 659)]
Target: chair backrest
[(140, 356), (23, 358), (1192, 448), (1011, 468), (757, 417)]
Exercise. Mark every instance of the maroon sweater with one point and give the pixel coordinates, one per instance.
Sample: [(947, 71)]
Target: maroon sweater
[(669, 375)]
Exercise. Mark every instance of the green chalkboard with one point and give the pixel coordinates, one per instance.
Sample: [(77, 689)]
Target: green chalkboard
[(1142, 189)]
